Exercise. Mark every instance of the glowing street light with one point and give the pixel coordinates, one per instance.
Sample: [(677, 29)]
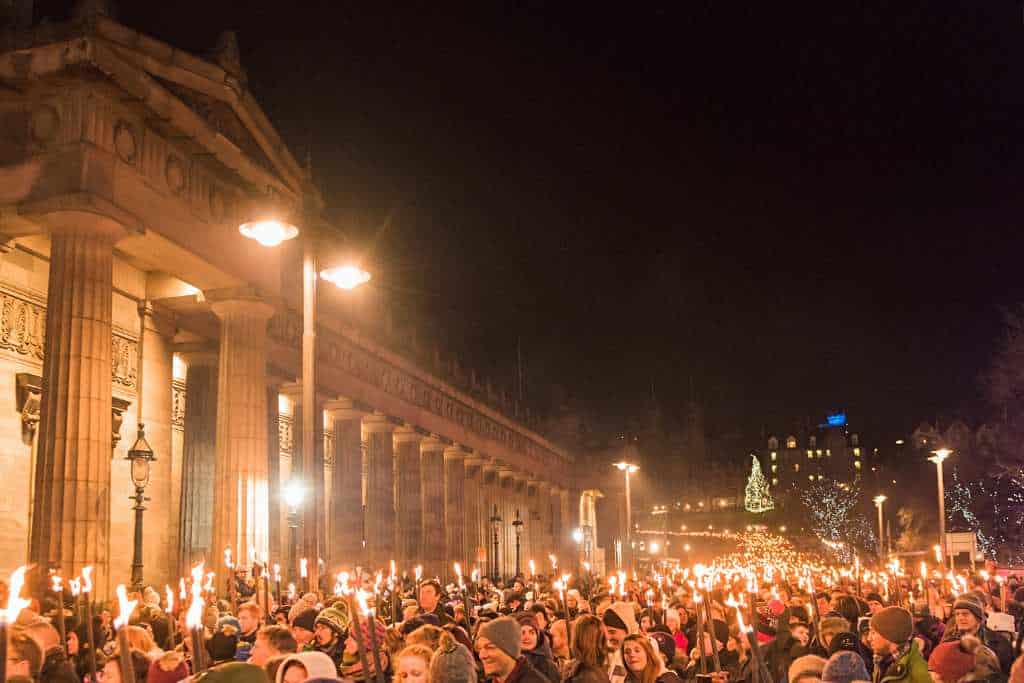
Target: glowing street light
[(879, 502), (627, 469), (269, 226), (938, 457)]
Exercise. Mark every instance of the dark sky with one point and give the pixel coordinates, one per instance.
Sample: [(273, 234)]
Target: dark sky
[(789, 207)]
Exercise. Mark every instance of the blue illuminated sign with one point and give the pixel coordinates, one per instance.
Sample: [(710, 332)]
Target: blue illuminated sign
[(836, 419)]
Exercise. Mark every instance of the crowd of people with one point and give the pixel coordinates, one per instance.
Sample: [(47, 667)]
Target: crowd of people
[(586, 630)]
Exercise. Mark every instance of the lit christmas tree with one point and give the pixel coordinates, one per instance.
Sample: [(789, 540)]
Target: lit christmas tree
[(758, 498)]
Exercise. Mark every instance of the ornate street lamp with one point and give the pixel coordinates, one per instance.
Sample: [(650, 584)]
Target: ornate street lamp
[(518, 524), (495, 521), (141, 457), (879, 501), (270, 225), (294, 493), (938, 458)]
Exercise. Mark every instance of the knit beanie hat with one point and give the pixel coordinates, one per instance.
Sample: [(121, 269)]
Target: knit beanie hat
[(971, 605), (233, 672), (528, 619), (305, 619), (845, 641), (808, 666), (844, 667), (317, 665), (168, 668), (895, 624), (335, 619), (621, 615), (954, 659), (504, 633), (830, 626), (452, 662)]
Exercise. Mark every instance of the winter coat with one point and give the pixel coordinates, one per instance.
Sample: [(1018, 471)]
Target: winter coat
[(992, 640), (523, 673), (541, 659), (909, 668), (57, 668), (780, 653), (578, 672)]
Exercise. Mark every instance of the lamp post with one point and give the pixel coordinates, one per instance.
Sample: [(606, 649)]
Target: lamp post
[(628, 469), (270, 228), (293, 495), (495, 521), (517, 523), (141, 457), (938, 457), (879, 502)]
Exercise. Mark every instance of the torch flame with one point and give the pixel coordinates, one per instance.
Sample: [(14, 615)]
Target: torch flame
[(554, 562), (393, 572), (182, 593), (55, 583), (277, 573), (194, 616), (363, 606), (125, 607), (15, 603), (418, 572), (170, 598), (533, 568), (303, 571), (76, 586), (227, 558), (87, 579)]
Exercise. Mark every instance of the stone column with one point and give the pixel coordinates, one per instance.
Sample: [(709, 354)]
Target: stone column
[(432, 491), (558, 531), (274, 527), (506, 510), (522, 507), (199, 456), (473, 494), (409, 500), (347, 486), (542, 505), (71, 508), (240, 505), (380, 491), (454, 509), (488, 500)]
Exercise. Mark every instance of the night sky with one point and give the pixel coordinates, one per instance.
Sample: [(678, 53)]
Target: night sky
[(779, 209)]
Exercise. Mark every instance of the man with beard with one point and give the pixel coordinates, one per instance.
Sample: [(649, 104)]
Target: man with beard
[(618, 621), (329, 633)]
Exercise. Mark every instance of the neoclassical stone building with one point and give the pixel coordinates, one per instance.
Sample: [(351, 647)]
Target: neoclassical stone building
[(127, 168)]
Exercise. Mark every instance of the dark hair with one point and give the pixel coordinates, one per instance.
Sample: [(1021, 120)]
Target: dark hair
[(431, 582), (848, 608), (279, 638), (588, 643)]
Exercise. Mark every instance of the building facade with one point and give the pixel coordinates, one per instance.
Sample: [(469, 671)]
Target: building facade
[(128, 296)]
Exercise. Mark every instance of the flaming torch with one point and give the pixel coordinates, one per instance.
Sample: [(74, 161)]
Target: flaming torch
[(194, 621), (58, 589), (15, 603), (125, 607), (90, 636)]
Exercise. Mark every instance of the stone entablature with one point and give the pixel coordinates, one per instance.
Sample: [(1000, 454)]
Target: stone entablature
[(399, 379)]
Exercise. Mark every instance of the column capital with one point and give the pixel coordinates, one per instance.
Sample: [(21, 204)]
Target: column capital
[(248, 306), (378, 423), (406, 433), (344, 409), (475, 459), (200, 358), (454, 452), (433, 443)]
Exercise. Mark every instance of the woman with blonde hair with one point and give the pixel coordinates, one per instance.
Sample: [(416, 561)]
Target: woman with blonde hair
[(412, 664), (589, 651), (643, 664)]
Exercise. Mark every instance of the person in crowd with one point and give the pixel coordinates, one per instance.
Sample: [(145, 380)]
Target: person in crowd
[(675, 623), (412, 664), (969, 620), (358, 632), (427, 634), (250, 616), (967, 659), (589, 652), (452, 662), (299, 667), (829, 628), (844, 667), (430, 602), (330, 631), (805, 669), (55, 666), (619, 621), (303, 627), (875, 603), (24, 656), (498, 646), (111, 672), (895, 654), (559, 643), (534, 646), (170, 667), (272, 641), (643, 663), (142, 640)]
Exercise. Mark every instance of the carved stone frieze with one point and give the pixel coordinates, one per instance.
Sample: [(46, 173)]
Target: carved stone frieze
[(124, 361), (329, 449), (178, 397), (340, 352), (284, 435)]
